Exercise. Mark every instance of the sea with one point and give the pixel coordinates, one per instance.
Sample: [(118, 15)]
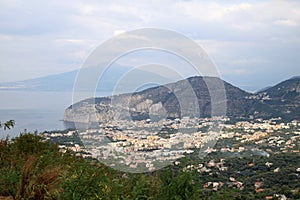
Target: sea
[(33, 111)]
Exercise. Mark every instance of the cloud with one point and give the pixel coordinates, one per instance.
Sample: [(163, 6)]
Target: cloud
[(87, 9), (74, 41), (78, 55), (285, 22), (117, 32), (238, 7), (250, 61), (4, 37), (241, 71), (57, 36)]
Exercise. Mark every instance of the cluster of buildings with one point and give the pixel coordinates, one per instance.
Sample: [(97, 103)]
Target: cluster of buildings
[(271, 134), (144, 144), (151, 145)]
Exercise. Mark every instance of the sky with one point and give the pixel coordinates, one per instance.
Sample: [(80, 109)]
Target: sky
[(253, 44)]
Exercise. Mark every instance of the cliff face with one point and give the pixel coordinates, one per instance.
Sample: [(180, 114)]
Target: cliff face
[(192, 96)]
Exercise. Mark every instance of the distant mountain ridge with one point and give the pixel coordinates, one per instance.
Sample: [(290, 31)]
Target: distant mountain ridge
[(56, 82), (281, 100), (65, 81)]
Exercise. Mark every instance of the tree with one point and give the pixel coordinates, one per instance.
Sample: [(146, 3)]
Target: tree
[(9, 124)]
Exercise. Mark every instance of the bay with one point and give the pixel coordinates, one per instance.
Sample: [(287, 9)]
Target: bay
[(34, 110)]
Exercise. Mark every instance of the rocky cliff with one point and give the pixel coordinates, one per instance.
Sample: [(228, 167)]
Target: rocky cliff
[(195, 95)]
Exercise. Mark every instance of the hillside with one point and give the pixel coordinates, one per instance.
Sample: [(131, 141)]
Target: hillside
[(163, 98), (281, 100)]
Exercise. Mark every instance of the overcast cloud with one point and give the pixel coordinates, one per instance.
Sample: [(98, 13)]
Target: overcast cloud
[(253, 43)]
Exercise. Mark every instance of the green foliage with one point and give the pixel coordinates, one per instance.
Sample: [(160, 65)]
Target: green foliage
[(7, 125), (29, 144), (9, 179), (30, 169), (83, 181), (180, 185)]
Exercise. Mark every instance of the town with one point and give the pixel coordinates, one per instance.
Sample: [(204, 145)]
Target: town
[(141, 146)]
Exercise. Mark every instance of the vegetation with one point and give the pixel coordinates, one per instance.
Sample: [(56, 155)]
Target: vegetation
[(34, 169), (7, 125)]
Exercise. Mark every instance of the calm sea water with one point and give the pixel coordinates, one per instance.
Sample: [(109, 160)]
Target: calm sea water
[(33, 110), (31, 120)]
